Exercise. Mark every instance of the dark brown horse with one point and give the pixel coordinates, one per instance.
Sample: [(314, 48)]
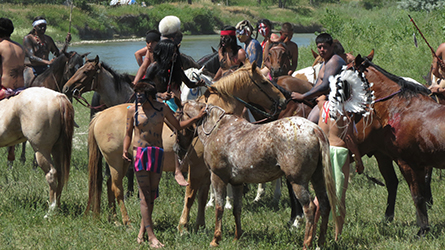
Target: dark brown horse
[(414, 144)]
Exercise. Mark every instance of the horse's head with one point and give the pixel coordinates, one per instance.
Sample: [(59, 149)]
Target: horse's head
[(280, 57), (185, 137), (82, 81), (359, 62), (75, 61), (262, 92)]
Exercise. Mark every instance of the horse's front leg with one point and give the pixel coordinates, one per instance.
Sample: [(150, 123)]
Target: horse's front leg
[(237, 204), (117, 174), (219, 188), (415, 177), (387, 170)]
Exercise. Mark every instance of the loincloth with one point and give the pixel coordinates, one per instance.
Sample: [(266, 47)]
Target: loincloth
[(149, 159), (339, 155)]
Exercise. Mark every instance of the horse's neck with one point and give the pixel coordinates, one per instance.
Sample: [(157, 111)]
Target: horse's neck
[(107, 91)]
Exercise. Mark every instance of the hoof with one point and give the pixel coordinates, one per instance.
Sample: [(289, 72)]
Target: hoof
[(423, 231), (389, 218)]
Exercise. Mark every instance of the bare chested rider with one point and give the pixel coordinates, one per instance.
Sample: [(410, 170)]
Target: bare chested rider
[(332, 65), (286, 34), (12, 58), (38, 45), (231, 55)]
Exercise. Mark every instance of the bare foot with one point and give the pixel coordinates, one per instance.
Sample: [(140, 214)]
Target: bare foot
[(156, 244), (140, 240), (180, 179)]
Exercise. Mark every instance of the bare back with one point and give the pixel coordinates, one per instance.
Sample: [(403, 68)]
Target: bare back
[(12, 64)]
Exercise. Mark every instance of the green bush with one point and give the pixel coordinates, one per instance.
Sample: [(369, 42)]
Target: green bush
[(419, 5)]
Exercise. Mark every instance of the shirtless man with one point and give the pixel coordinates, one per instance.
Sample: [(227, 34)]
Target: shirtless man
[(38, 45), (146, 120), (230, 54), (332, 66), (286, 33), (342, 141), (152, 38), (12, 63), (439, 85)]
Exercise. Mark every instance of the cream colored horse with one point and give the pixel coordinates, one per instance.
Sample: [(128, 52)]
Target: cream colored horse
[(46, 119)]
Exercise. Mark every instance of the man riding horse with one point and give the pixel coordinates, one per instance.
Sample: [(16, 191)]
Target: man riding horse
[(12, 64)]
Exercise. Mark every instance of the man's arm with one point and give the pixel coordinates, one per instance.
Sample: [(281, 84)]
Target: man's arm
[(440, 52), (29, 51), (351, 144), (140, 54), (332, 68)]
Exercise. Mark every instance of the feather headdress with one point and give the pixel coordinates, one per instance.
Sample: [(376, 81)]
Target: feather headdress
[(350, 92)]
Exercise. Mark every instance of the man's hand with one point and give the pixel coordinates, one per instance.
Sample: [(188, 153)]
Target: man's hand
[(437, 89), (126, 156), (68, 38), (165, 96), (297, 96)]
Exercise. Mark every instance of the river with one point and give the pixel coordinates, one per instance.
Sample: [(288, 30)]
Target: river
[(120, 55)]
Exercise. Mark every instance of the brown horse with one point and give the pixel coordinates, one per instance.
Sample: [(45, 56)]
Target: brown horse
[(280, 57), (414, 144), (238, 152), (45, 119)]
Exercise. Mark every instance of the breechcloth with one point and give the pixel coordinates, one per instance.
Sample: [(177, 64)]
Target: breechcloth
[(339, 155), (7, 92), (37, 70), (149, 159)]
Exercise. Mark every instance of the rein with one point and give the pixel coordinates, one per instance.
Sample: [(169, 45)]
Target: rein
[(388, 97), (269, 116), (208, 110), (80, 99)]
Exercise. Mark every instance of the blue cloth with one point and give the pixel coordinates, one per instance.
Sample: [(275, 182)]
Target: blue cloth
[(171, 104), (254, 52)]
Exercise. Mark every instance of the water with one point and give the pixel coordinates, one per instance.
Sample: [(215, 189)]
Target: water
[(120, 55)]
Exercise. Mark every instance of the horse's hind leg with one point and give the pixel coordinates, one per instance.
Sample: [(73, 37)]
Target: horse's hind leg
[(237, 203), (297, 214), (304, 197), (45, 163), (23, 154)]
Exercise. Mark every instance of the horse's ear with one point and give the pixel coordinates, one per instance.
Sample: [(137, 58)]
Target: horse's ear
[(213, 49), (371, 55), (253, 67), (85, 55), (358, 60), (314, 54), (96, 60)]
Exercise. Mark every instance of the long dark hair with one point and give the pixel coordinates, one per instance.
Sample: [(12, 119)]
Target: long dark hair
[(231, 41), (165, 53)]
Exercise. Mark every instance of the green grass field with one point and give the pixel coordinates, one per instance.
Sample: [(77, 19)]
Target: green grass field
[(24, 202)]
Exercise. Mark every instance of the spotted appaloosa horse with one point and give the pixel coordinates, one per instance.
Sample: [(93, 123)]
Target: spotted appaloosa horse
[(238, 152)]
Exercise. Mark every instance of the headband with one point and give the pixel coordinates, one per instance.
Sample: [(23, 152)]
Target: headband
[(227, 33), (37, 22)]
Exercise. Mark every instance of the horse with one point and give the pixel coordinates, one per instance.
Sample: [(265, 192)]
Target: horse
[(210, 62), (241, 84), (57, 74), (414, 144), (238, 152), (45, 118), (280, 57)]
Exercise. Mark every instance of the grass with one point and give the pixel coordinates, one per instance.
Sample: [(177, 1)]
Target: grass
[(24, 195)]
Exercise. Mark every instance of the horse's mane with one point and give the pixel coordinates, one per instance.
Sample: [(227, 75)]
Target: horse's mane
[(407, 88), (118, 78), (230, 83), (284, 91), (54, 66)]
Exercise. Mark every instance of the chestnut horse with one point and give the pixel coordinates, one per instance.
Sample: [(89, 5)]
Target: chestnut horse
[(45, 119), (280, 57), (414, 144), (238, 152)]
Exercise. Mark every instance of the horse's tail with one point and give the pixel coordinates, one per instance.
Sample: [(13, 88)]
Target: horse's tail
[(66, 138), (337, 208), (94, 170)]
